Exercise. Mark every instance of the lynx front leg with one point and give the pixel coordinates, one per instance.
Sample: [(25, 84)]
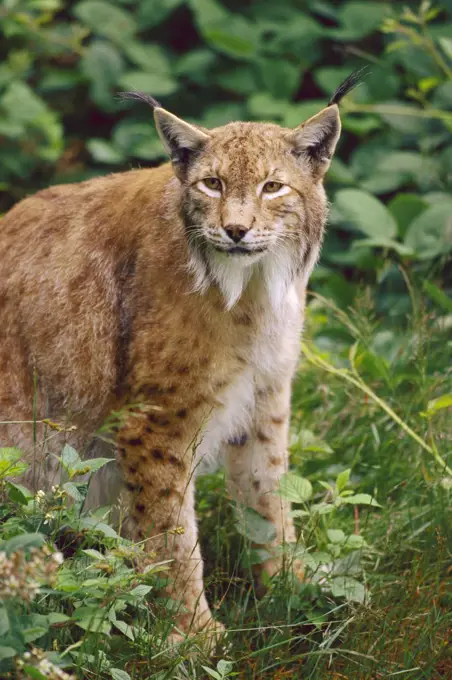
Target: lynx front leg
[(255, 462), (156, 462)]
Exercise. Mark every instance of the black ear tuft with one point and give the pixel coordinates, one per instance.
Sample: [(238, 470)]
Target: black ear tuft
[(141, 97), (353, 80)]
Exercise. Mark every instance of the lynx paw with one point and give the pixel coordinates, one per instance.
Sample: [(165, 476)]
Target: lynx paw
[(208, 640), (273, 567)]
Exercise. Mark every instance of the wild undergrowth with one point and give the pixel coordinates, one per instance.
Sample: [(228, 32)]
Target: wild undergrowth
[(370, 486)]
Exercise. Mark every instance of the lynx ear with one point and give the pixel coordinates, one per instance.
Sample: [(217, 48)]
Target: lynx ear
[(180, 139), (315, 140)]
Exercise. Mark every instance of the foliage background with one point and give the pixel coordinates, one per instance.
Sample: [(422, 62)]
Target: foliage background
[(382, 310)]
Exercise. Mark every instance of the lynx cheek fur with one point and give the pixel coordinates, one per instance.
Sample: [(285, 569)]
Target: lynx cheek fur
[(180, 289)]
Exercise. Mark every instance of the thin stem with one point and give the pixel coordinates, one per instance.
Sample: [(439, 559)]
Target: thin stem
[(390, 110), (355, 379), (435, 53)]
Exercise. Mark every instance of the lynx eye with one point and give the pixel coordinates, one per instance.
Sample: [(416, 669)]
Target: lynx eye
[(212, 183), (272, 187)]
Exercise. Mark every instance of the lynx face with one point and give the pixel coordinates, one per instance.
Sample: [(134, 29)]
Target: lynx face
[(253, 201), (244, 194)]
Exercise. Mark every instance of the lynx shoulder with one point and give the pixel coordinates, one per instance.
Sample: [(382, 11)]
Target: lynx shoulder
[(173, 296)]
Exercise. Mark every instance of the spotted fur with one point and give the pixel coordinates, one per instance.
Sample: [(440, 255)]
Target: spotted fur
[(129, 294)]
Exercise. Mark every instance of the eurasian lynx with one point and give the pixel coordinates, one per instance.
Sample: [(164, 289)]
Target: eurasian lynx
[(175, 294)]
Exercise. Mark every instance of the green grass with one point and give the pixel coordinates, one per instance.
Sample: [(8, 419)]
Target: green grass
[(393, 624)]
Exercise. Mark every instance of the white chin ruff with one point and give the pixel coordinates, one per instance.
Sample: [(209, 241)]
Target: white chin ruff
[(232, 274)]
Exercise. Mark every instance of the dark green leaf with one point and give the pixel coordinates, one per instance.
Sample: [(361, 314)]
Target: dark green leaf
[(366, 213), (430, 234), (104, 152), (23, 542), (255, 527), (7, 652), (349, 588), (69, 458), (11, 463), (358, 19), (404, 208), (438, 296), (157, 83), (294, 488), (106, 19), (18, 494)]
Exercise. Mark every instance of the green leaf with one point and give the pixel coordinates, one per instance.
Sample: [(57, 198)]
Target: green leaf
[(148, 57), (355, 542), (254, 527), (158, 84), (307, 442), (153, 13), (96, 525), (237, 39), (33, 673), (7, 652), (224, 667), (18, 493), (294, 488), (104, 152), (208, 11), (386, 244), (361, 499), (23, 542), (89, 466), (404, 208), (295, 114), (229, 33), (23, 104), (140, 591), (263, 105), (92, 619), (239, 81), (102, 65), (323, 508), (125, 629), (365, 212), (32, 634), (279, 77), (330, 77), (430, 234), (57, 617), (403, 117), (118, 674), (438, 296), (11, 464), (212, 673), (336, 536), (396, 169), (74, 491), (69, 458), (446, 45), (342, 480), (349, 588), (137, 139), (438, 404), (107, 19), (222, 113), (4, 620), (358, 19)]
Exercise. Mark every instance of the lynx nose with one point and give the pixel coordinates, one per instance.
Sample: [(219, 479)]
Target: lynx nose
[(236, 232)]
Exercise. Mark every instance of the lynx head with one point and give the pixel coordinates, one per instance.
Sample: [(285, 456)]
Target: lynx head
[(253, 202)]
